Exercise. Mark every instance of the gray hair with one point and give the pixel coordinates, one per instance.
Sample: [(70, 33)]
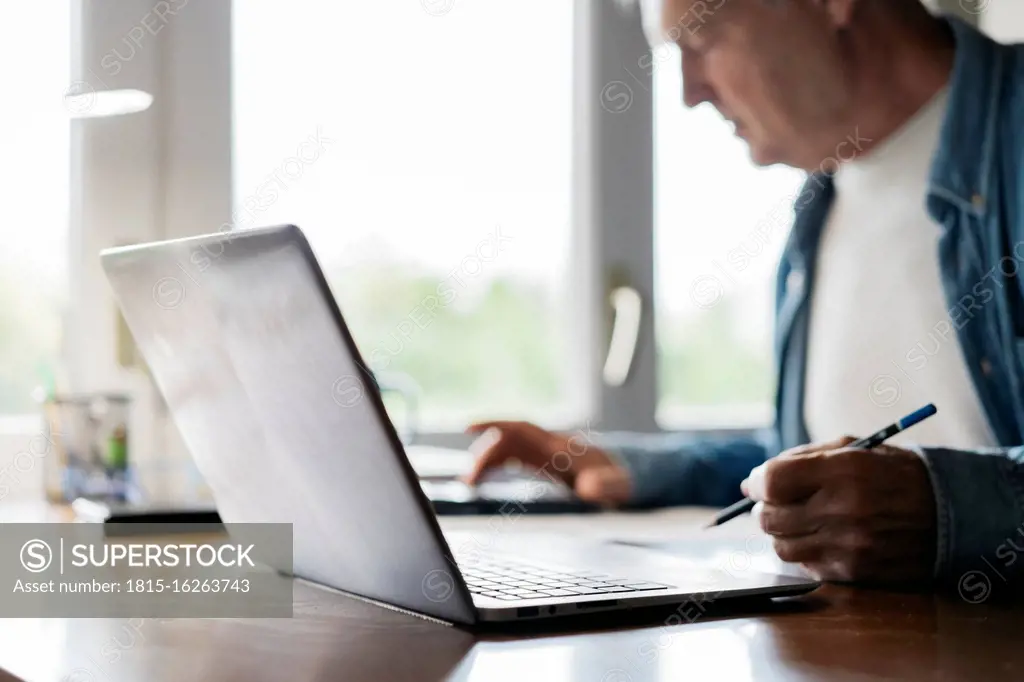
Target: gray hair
[(651, 15), (651, 12)]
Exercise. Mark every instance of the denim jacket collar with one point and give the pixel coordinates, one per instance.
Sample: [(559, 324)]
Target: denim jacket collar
[(961, 170)]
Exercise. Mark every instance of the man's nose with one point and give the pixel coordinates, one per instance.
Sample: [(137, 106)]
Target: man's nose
[(696, 89)]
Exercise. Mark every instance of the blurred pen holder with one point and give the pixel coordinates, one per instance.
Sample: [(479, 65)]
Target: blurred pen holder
[(401, 397), (87, 436)]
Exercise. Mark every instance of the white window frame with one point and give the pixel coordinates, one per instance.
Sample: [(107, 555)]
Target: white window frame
[(613, 200)]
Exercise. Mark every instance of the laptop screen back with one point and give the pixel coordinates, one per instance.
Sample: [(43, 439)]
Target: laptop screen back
[(265, 386)]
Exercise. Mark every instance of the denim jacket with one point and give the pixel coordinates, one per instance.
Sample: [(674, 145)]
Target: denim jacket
[(976, 196)]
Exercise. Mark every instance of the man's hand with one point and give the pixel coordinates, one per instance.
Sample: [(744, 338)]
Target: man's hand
[(572, 459), (848, 515)]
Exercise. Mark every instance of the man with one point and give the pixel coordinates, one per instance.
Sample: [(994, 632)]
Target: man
[(899, 286)]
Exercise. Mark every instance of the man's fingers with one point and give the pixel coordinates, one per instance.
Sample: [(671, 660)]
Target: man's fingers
[(491, 457), (799, 550), (604, 485), (819, 447), (527, 434), (785, 479), (480, 427), (502, 441), (793, 475), (788, 520)]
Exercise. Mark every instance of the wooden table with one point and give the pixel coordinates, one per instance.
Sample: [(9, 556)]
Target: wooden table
[(835, 633)]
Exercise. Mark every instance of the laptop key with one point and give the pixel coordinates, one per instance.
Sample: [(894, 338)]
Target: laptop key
[(516, 580), (576, 589)]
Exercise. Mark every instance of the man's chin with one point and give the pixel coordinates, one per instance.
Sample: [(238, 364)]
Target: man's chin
[(763, 156), (760, 157), (762, 153)]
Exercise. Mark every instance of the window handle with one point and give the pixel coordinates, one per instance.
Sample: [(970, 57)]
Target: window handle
[(408, 391), (627, 307)]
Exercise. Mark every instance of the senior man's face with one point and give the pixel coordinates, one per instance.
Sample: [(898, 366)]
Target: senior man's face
[(773, 68)]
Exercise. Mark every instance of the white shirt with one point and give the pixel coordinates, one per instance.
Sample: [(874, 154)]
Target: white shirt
[(881, 340)]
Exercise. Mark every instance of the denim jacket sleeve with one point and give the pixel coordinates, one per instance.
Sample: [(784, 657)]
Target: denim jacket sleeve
[(979, 497), (678, 469)]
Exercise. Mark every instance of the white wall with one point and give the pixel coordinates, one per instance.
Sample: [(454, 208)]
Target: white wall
[(968, 10), (1004, 20)]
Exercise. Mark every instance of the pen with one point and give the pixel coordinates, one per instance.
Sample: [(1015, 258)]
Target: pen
[(877, 438)]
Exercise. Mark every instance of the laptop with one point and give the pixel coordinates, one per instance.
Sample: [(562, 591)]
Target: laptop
[(269, 392)]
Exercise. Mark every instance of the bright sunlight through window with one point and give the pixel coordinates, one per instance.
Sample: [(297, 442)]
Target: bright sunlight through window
[(720, 225), (426, 154), (35, 137)]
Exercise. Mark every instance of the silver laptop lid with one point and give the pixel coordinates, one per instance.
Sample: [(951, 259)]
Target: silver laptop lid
[(265, 384)]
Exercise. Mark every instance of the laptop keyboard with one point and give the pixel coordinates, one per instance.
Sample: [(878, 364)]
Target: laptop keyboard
[(514, 580)]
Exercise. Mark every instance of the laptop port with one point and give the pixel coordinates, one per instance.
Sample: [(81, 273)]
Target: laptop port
[(599, 604), (528, 611)]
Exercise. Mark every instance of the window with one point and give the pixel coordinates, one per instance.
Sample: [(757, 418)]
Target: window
[(425, 150), (34, 134), (720, 225)]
